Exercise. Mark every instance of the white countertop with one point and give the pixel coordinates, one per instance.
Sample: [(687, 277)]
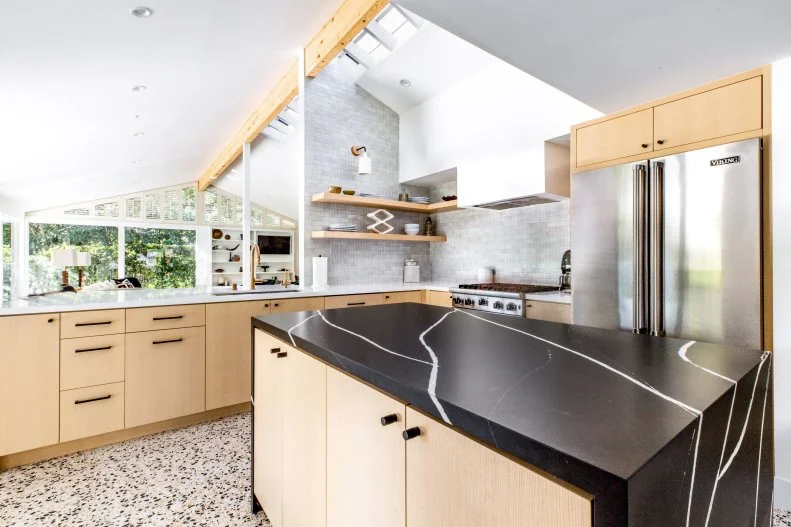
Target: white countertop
[(131, 298)]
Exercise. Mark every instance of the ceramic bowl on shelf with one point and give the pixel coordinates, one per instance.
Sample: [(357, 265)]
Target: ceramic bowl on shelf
[(335, 190), (216, 234), (349, 192)]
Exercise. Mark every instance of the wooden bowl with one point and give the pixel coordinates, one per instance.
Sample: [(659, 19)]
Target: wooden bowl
[(349, 192), (216, 234)]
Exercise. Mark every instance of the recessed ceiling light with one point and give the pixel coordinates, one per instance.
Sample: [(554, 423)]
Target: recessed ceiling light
[(139, 87), (141, 12), (138, 134), (405, 83), (137, 161), (137, 116)]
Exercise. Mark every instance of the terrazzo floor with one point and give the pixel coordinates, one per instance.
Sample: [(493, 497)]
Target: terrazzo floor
[(195, 476)]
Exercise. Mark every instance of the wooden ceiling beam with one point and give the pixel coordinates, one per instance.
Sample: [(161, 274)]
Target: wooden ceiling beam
[(274, 103), (350, 18)]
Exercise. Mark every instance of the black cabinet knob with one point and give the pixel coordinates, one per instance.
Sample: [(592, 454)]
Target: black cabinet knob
[(389, 419), (644, 145), (410, 433), (51, 320), (660, 142), (274, 350), (282, 355)]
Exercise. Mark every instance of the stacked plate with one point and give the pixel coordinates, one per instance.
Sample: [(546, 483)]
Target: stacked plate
[(368, 195), (343, 227), (419, 199)]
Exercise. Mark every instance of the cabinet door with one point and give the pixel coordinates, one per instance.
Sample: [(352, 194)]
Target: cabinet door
[(165, 375), (549, 311), (625, 136), (365, 456), (29, 392), (291, 305), (335, 302), (228, 351), (439, 298), (304, 440), (403, 296), (268, 427), (453, 481), (729, 110)]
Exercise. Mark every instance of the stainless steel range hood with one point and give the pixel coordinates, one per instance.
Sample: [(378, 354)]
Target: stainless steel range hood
[(531, 177)]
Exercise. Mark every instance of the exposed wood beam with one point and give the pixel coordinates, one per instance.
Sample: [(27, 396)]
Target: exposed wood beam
[(274, 103), (350, 18)]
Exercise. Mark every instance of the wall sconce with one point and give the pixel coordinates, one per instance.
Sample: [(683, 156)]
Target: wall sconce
[(364, 165)]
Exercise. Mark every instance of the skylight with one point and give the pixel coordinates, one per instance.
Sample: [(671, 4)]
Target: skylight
[(392, 19)]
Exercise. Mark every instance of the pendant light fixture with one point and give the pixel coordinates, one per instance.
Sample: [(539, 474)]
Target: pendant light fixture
[(364, 164)]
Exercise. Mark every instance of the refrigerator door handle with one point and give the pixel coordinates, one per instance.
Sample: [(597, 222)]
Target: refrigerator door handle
[(639, 304), (657, 249)]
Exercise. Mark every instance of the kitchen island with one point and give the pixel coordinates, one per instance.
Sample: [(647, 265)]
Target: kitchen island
[(637, 430)]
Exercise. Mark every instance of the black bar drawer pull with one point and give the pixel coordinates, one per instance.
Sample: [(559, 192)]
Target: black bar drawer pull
[(389, 419), (355, 303), (103, 348), (282, 355), (83, 324), (175, 317), (410, 433), (167, 341), (275, 350), (83, 401)]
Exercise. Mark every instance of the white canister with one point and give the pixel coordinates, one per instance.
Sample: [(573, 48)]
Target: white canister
[(485, 275), (319, 272), (411, 272)]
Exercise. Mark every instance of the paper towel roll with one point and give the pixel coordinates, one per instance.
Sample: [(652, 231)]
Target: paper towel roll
[(319, 272)]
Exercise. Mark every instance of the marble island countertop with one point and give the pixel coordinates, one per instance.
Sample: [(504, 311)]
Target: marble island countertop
[(662, 432), (132, 298)]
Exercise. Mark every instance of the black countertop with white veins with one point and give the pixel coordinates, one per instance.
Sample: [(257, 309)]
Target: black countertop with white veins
[(662, 432)]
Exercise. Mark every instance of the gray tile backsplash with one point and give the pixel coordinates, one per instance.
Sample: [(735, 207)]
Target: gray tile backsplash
[(340, 114), (523, 245)]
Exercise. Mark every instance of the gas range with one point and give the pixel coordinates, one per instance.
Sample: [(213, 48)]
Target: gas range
[(508, 299)]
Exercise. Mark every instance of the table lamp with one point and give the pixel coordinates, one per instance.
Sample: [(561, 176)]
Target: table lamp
[(64, 258), (83, 260)]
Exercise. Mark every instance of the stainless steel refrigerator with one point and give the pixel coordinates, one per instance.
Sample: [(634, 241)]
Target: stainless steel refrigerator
[(672, 246)]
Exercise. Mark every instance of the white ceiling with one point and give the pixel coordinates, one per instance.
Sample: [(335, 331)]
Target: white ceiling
[(618, 53), (67, 110), (433, 60)]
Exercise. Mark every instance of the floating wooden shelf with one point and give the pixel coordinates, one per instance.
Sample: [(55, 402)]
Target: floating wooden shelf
[(380, 203), (373, 236)]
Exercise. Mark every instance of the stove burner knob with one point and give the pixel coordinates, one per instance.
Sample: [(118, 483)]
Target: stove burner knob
[(511, 306), (498, 305), (483, 302), (457, 300), (469, 302)]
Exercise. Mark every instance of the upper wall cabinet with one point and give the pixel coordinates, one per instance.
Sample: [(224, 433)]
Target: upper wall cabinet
[(624, 136), (728, 110)]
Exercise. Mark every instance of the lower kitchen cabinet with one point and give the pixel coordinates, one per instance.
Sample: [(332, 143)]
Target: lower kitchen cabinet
[(29, 382), (290, 305), (335, 302), (403, 296), (439, 298), (549, 311), (365, 455), (228, 351), (91, 411), (165, 374), (455, 481)]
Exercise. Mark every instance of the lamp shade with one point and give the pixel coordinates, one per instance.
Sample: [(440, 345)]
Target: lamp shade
[(84, 259), (63, 257), (364, 166)]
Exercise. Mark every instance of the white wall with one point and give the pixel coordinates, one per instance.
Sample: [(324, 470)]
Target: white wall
[(499, 109), (781, 224)]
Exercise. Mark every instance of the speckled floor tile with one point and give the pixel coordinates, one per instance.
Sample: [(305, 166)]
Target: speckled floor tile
[(782, 518), (195, 476)]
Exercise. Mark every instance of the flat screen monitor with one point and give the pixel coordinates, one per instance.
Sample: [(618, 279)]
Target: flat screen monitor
[(273, 244)]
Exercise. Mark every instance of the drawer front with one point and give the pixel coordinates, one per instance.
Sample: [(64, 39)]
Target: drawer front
[(86, 412), (165, 317), (439, 298), (290, 305), (92, 323), (335, 302), (403, 296), (616, 138), (549, 311), (729, 110), (165, 375), (89, 361)]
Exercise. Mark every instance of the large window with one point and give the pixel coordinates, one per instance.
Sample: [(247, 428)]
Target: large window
[(100, 241), (161, 258), (8, 265)]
